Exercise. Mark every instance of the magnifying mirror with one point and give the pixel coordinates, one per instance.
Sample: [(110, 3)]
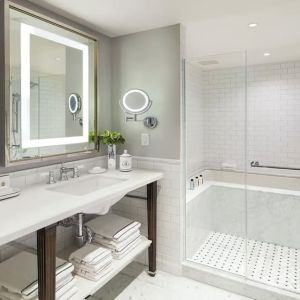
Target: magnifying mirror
[(135, 102), (74, 104)]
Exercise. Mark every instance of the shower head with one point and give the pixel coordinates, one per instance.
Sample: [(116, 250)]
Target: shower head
[(16, 97), (33, 84)]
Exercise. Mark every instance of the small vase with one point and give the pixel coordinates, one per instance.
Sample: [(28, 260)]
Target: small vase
[(112, 156)]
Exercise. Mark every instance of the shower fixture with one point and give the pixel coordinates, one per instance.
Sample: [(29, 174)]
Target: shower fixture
[(33, 84), (16, 97)]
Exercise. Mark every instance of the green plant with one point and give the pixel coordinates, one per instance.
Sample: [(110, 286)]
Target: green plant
[(91, 136), (111, 137)]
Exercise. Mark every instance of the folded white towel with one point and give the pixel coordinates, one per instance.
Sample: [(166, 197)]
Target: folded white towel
[(116, 245), (64, 293), (6, 295), (112, 226), (128, 249), (92, 275), (19, 273), (62, 275), (69, 294), (95, 268), (90, 254), (60, 293)]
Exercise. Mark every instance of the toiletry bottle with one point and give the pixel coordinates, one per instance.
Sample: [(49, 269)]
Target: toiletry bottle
[(125, 162), (200, 180), (192, 184), (196, 181)]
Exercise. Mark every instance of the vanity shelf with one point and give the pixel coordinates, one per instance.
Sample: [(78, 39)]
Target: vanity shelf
[(87, 287)]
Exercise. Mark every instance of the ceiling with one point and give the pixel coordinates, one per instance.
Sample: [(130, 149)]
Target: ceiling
[(211, 26)]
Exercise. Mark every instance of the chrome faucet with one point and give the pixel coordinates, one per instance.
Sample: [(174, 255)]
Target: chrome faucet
[(64, 173)]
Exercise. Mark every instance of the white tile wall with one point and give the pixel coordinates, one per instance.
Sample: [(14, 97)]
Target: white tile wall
[(168, 212), (194, 119), (224, 117), (273, 112), (47, 108)]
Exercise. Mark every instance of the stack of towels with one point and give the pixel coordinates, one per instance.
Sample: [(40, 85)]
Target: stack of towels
[(91, 262), (119, 234), (19, 278)]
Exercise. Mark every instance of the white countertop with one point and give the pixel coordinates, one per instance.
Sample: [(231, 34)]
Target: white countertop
[(38, 206)]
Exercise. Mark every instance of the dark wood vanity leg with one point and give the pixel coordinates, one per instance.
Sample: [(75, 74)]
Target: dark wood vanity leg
[(151, 214), (46, 254)]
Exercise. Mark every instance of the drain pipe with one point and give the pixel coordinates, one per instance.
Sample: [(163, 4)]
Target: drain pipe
[(79, 236)]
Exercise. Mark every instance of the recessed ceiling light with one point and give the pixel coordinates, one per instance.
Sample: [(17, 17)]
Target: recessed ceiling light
[(267, 54), (252, 25), (57, 58)]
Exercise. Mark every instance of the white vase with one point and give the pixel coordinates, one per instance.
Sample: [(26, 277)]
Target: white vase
[(112, 156)]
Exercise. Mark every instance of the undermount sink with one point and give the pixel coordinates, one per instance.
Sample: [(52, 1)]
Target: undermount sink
[(87, 185), (81, 187)]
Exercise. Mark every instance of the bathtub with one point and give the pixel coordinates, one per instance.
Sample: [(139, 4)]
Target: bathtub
[(249, 217)]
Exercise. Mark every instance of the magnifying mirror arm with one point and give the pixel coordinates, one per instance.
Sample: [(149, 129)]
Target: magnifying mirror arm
[(149, 122), (131, 118)]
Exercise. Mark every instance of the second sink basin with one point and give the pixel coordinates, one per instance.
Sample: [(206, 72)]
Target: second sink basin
[(89, 184)]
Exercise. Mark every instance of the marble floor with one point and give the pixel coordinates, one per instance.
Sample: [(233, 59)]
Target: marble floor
[(134, 284), (268, 263)]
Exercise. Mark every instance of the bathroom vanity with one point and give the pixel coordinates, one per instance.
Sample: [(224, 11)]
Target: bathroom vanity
[(40, 207), (64, 89)]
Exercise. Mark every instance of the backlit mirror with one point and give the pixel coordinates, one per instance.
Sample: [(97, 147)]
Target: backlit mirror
[(52, 87)]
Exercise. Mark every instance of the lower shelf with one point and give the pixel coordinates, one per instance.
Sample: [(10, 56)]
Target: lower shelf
[(88, 287)]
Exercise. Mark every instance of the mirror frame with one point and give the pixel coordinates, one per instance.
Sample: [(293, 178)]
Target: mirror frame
[(7, 165), (26, 141), (140, 111)]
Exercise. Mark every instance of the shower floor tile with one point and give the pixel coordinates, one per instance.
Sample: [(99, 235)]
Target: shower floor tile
[(268, 263)]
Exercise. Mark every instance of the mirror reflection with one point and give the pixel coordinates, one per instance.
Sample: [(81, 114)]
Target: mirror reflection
[(49, 65)]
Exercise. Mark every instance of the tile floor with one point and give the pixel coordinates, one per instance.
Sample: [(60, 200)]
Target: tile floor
[(268, 263), (134, 284)]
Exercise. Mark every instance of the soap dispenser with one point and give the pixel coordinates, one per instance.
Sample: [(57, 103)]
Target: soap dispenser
[(125, 162)]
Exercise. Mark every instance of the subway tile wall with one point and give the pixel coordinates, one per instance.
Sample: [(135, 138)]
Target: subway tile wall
[(168, 212), (273, 114), (224, 117), (194, 119)]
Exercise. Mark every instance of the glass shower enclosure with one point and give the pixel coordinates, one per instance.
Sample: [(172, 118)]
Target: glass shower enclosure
[(242, 168)]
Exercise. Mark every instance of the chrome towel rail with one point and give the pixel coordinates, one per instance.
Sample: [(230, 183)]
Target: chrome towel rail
[(256, 164), (136, 197)]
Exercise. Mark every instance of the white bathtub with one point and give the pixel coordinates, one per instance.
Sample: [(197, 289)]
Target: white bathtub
[(267, 210)]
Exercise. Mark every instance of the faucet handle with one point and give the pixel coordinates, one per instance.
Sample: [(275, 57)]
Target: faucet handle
[(51, 178)]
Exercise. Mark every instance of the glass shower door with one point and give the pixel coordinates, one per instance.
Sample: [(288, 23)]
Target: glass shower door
[(215, 102), (273, 162)]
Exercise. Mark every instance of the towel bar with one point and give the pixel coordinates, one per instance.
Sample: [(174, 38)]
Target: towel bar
[(256, 164)]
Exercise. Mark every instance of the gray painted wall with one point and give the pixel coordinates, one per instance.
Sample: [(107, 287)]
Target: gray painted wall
[(149, 61)]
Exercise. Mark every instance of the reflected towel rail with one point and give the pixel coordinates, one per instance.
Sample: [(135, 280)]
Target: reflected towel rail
[(136, 196), (256, 164)]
